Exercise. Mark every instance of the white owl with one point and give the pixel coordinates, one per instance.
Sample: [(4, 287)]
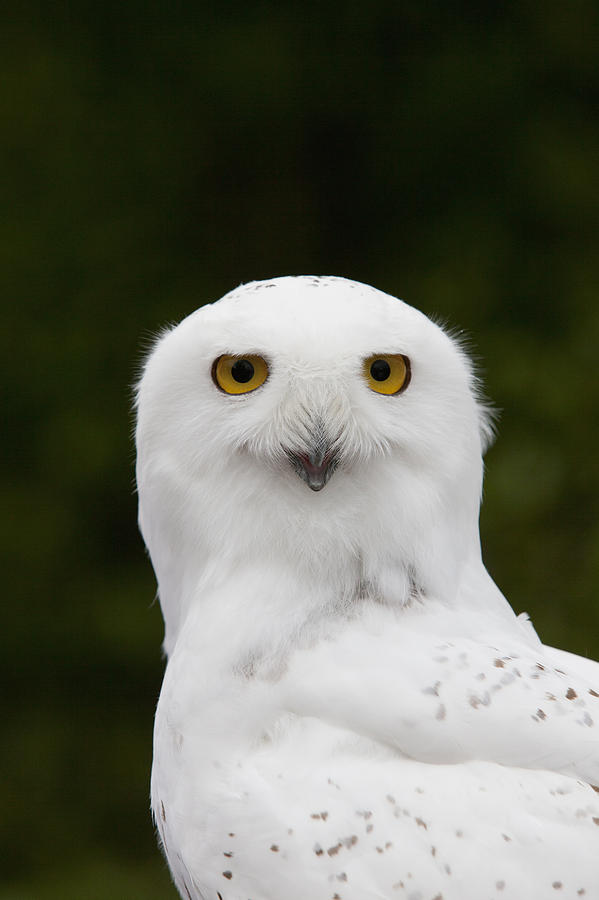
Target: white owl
[(350, 708)]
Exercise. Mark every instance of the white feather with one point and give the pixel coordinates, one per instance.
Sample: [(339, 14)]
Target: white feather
[(350, 708)]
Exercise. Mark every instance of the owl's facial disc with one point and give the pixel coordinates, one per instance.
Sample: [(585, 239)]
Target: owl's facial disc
[(316, 466)]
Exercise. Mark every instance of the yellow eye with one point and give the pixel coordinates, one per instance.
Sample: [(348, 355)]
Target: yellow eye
[(388, 373), (239, 374)]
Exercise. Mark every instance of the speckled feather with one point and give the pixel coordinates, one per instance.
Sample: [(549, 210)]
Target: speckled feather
[(350, 708)]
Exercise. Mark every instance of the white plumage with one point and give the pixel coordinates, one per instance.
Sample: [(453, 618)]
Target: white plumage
[(350, 708)]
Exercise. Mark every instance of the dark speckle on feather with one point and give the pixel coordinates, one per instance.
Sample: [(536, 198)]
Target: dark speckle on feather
[(571, 694), (499, 663), (228, 874)]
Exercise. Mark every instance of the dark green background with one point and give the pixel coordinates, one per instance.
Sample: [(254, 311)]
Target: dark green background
[(154, 155)]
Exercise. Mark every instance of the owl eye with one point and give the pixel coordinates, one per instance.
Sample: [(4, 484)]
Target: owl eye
[(239, 374), (388, 373)]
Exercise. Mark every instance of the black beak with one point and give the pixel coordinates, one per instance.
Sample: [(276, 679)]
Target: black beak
[(316, 467)]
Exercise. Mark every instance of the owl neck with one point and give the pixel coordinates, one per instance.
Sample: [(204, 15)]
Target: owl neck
[(282, 559)]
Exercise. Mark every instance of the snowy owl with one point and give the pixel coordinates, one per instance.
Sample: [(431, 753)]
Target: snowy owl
[(350, 708)]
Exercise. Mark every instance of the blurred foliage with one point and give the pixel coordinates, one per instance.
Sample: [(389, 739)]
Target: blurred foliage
[(155, 155)]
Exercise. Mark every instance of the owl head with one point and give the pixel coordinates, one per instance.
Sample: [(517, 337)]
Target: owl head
[(315, 424)]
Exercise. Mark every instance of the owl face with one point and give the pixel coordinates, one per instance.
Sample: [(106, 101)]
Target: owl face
[(312, 381)]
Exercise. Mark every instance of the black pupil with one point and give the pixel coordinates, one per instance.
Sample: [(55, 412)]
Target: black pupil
[(380, 370), (242, 371)]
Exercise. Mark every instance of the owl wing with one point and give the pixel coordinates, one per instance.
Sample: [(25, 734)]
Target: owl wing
[(448, 698)]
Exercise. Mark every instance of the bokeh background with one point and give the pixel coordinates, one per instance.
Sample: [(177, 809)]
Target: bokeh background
[(155, 155)]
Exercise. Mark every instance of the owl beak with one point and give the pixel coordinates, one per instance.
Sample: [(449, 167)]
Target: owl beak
[(315, 467)]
